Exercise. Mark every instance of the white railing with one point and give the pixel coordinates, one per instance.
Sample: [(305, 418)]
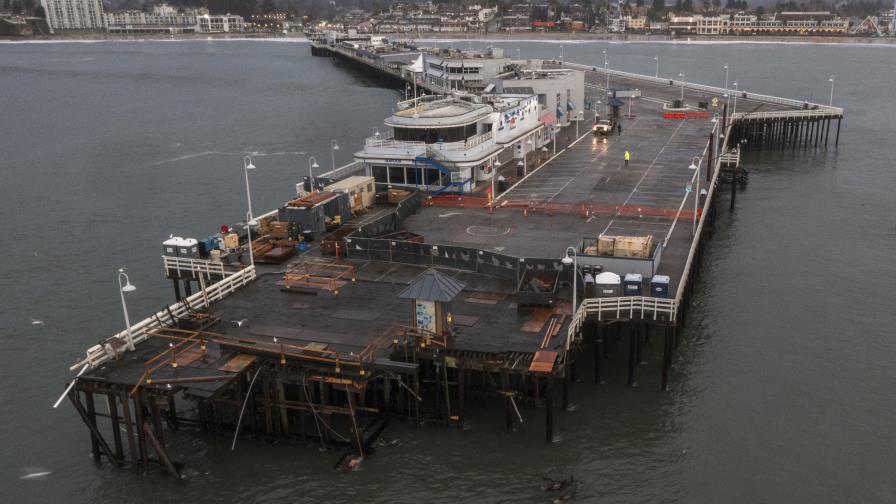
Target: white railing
[(643, 307), (343, 171), (711, 89), (789, 114), (389, 143), (97, 354), (194, 266), (464, 144)]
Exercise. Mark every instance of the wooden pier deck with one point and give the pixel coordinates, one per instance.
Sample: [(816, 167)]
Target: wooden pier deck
[(252, 353)]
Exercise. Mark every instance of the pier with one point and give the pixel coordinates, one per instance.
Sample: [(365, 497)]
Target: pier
[(328, 346)]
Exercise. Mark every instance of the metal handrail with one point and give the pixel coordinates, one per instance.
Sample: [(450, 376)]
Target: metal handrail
[(193, 265), (642, 306), (788, 114), (97, 355), (711, 89), (342, 171)]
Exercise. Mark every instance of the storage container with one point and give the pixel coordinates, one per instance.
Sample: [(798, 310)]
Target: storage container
[(659, 286), (169, 246), (605, 245), (632, 284), (360, 189), (632, 246), (231, 241), (607, 284), (214, 255)]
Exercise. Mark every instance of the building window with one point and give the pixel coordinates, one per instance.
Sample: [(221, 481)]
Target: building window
[(396, 175), (380, 174)]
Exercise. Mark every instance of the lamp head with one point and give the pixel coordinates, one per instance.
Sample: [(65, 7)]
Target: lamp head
[(250, 166), (128, 287), (566, 260), (693, 165), (335, 145)]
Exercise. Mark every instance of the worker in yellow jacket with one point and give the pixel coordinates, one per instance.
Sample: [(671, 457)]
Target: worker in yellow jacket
[(627, 157)]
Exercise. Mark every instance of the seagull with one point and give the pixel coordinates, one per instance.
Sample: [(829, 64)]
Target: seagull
[(239, 323), (36, 322)]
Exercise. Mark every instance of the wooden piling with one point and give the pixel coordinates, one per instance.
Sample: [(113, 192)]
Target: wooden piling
[(160, 450), (631, 354), (549, 410), (129, 427), (667, 357), (91, 420), (95, 436), (116, 429)]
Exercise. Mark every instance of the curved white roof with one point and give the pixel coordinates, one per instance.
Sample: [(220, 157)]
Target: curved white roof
[(607, 278)]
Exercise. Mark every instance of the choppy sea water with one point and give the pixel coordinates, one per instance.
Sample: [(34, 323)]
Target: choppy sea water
[(782, 389)]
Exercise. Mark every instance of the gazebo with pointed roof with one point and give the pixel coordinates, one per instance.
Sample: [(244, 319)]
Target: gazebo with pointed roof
[(431, 292)]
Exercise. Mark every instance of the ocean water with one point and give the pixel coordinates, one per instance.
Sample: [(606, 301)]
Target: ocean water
[(781, 390)]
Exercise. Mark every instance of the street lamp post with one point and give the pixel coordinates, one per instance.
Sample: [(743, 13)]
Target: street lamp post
[(607, 71), (681, 77), (831, 102), (247, 165), (726, 78), (312, 164), (570, 259), (696, 166), (333, 148), (122, 288), (656, 72), (250, 221), (734, 110)]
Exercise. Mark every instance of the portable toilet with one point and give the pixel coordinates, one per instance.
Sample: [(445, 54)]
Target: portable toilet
[(659, 286), (632, 284), (169, 246), (608, 284), (188, 247)]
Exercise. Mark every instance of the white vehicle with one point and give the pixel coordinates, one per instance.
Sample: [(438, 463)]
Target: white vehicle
[(603, 127)]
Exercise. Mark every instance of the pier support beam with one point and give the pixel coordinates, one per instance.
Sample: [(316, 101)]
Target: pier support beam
[(837, 138), (549, 410), (89, 418), (597, 332), (116, 430), (667, 357), (129, 427), (177, 295), (632, 350)]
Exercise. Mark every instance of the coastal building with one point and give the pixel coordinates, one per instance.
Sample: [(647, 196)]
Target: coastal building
[(560, 92), (220, 23), (164, 18), (74, 14), (452, 142), (782, 23), (454, 70), (161, 19)]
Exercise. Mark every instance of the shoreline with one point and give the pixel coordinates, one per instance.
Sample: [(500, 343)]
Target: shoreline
[(583, 37)]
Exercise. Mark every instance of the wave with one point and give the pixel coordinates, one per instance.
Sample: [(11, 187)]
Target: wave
[(186, 157)]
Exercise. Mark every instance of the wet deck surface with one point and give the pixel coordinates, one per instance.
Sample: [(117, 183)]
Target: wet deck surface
[(635, 200)]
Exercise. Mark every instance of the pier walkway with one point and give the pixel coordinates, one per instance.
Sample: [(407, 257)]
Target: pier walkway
[(308, 348)]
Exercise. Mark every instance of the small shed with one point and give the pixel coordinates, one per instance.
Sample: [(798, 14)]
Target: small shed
[(432, 293), (360, 189)]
